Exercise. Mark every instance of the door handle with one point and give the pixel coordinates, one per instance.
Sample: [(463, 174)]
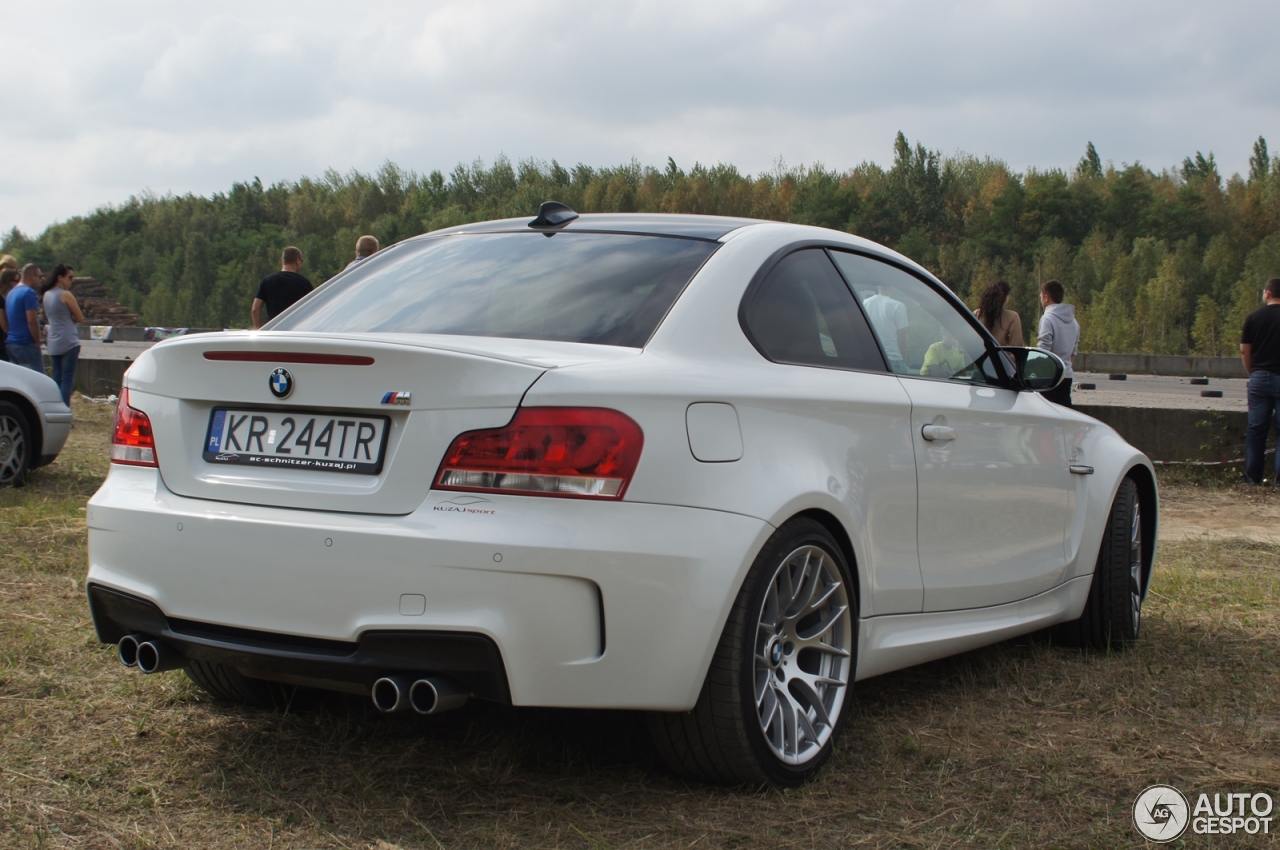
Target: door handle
[(940, 433), (1081, 469)]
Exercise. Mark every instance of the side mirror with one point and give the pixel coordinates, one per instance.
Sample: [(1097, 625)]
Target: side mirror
[(1034, 368)]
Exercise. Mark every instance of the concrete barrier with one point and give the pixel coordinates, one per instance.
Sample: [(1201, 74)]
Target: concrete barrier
[(1166, 434), (1161, 364), (100, 377), (128, 334)]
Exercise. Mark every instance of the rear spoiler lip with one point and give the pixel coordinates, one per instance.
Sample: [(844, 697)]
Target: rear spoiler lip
[(542, 354)]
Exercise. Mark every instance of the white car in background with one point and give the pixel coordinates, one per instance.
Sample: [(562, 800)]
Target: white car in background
[(34, 422), (612, 461)]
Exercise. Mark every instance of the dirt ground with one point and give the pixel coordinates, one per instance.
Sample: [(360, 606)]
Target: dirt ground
[(1025, 743), (1190, 512)]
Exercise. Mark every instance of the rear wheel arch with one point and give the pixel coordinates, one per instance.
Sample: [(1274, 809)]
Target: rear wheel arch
[(837, 530), (725, 738), (1148, 500)]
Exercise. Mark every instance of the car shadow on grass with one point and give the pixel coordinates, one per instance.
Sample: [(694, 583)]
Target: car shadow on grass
[(336, 753), (1018, 738)]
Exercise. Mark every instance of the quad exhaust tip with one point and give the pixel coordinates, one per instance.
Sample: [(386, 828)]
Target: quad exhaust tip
[(435, 695), (148, 654), (391, 693), (128, 649), (431, 695), (156, 656)]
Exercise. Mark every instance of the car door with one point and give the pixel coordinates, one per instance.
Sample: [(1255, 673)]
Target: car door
[(835, 398), (991, 471)]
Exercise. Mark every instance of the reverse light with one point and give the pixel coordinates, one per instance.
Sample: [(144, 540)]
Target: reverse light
[(132, 442), (575, 452)]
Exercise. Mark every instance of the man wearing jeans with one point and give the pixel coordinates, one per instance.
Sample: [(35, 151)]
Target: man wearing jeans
[(22, 309), (1260, 351)]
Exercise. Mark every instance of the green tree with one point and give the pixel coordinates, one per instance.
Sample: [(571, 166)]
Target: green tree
[(1160, 311), (1106, 325), (1259, 162), (1262, 264), (1090, 164), (1208, 328), (1105, 232), (1201, 168)]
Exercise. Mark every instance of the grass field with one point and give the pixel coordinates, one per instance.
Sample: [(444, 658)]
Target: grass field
[(1022, 744)]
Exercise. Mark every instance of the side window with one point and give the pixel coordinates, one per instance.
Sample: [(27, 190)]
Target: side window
[(921, 332), (803, 314)]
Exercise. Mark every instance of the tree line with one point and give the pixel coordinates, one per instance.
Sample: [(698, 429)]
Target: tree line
[(1164, 262)]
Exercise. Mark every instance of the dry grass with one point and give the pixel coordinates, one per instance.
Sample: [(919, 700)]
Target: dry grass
[(1018, 745)]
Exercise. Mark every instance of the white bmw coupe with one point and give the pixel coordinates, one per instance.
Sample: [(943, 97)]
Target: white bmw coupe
[(716, 469)]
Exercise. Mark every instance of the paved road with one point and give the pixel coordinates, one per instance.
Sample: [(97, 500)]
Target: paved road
[(1160, 391)]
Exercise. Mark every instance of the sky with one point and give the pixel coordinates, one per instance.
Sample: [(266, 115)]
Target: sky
[(104, 101)]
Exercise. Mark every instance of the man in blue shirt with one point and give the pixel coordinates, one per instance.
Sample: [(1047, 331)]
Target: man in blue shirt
[(22, 309)]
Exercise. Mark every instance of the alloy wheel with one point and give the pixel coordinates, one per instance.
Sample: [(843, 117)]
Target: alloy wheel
[(802, 659), (13, 449)]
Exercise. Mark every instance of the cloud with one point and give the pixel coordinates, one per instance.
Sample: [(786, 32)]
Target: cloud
[(178, 98)]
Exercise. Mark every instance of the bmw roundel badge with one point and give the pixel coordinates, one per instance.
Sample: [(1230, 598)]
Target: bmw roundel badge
[(281, 383)]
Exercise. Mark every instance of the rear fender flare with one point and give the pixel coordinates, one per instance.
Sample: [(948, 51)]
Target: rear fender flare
[(829, 512)]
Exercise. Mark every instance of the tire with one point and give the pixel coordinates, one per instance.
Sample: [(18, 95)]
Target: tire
[(16, 445), (782, 737), (1112, 617), (230, 685)]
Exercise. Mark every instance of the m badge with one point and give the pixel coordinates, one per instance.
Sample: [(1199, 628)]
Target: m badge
[(396, 398)]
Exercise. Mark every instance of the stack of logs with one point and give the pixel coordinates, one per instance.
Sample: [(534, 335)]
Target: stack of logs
[(98, 308)]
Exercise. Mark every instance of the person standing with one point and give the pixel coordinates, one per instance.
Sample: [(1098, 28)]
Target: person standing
[(945, 358), (280, 290), (889, 318), (366, 247), (22, 310), (63, 312), (8, 280), (1060, 334), (1260, 351), (1005, 325)]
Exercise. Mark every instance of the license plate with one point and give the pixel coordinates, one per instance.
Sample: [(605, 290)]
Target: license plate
[(294, 439)]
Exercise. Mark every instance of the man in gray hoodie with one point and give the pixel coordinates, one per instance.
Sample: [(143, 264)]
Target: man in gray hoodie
[(1059, 333)]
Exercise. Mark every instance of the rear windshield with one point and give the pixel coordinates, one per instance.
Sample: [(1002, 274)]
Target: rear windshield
[(603, 288)]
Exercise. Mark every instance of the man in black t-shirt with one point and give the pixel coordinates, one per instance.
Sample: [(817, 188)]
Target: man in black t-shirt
[(1260, 351), (279, 290)]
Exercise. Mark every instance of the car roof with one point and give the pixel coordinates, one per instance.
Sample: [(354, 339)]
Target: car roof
[(709, 227)]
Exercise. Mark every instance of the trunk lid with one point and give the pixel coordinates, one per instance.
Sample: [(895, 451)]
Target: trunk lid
[(455, 384)]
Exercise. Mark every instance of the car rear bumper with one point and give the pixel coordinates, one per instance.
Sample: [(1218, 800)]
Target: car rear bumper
[(587, 604), (471, 660), (57, 426)]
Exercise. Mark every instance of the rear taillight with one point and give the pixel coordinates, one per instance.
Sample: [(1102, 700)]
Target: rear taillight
[(585, 453), (132, 442)]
